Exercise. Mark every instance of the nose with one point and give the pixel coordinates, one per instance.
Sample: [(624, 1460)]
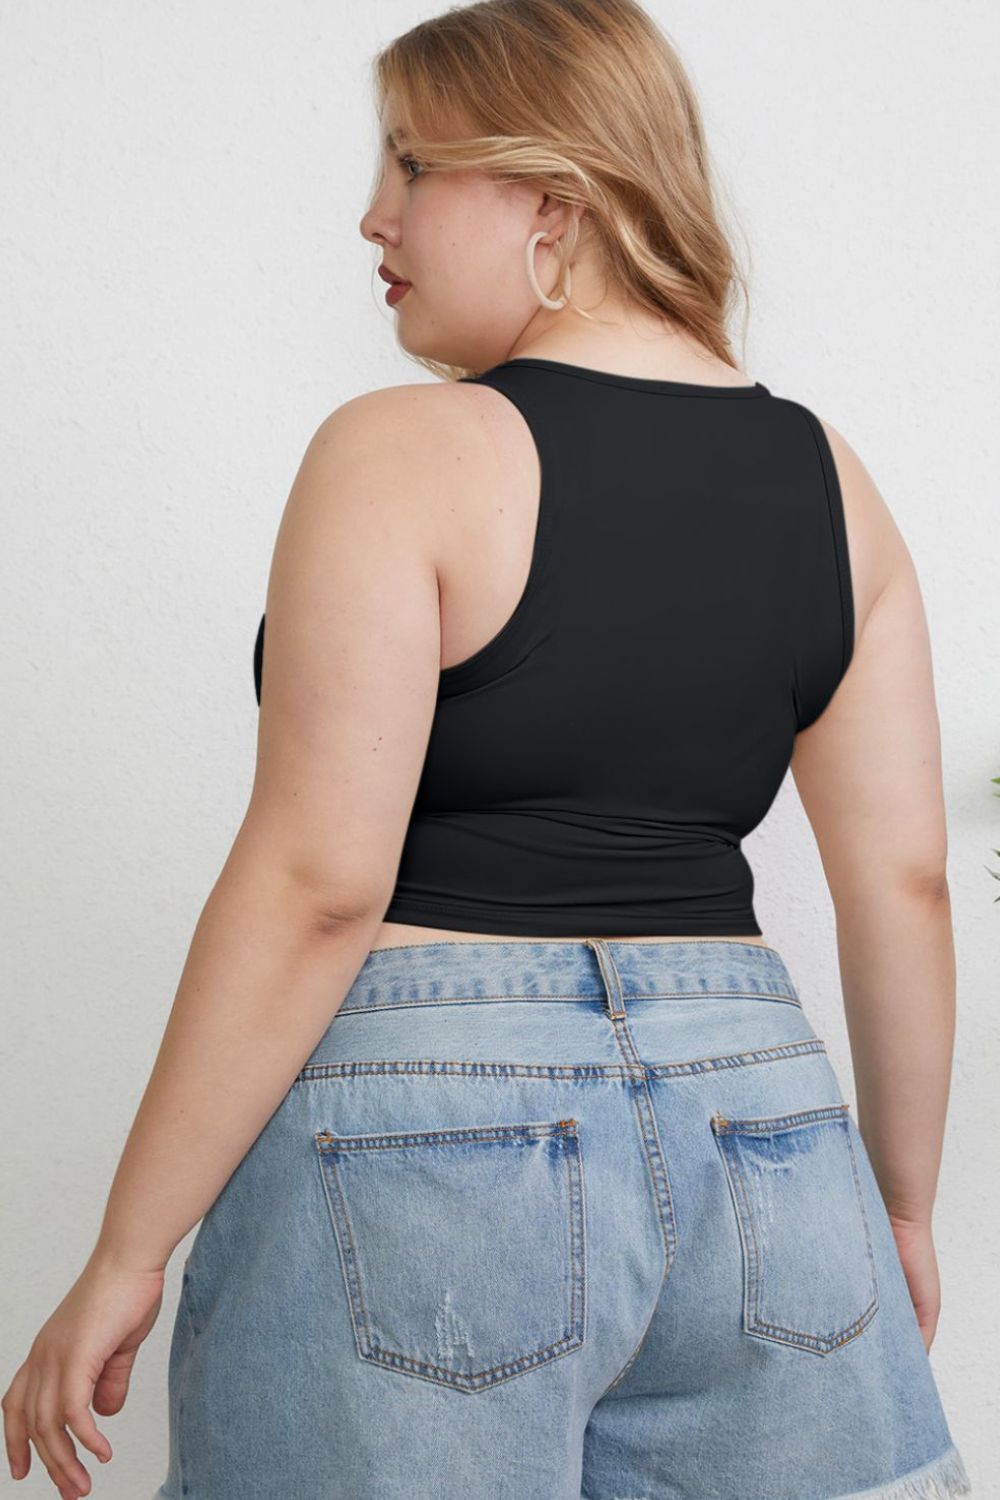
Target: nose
[(366, 227), (376, 223)]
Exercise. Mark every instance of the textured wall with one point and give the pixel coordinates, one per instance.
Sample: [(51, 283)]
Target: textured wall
[(187, 296)]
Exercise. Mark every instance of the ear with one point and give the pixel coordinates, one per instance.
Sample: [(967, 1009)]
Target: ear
[(555, 216), (559, 219)]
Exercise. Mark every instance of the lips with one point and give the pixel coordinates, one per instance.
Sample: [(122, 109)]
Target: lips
[(391, 276)]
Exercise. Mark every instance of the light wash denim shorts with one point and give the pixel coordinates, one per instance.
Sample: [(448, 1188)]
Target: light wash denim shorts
[(556, 1220)]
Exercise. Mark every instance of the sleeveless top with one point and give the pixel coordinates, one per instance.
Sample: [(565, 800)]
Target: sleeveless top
[(593, 767)]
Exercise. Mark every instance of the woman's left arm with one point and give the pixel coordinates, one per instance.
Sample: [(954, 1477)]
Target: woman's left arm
[(347, 703)]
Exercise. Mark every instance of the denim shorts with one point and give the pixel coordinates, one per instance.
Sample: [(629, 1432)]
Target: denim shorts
[(556, 1220)]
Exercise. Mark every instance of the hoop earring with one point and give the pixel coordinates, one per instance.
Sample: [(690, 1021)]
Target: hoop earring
[(529, 261)]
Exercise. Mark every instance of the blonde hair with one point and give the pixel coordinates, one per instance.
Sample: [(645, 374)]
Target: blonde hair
[(589, 99)]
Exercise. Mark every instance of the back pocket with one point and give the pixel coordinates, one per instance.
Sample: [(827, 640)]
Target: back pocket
[(808, 1267), (462, 1250)]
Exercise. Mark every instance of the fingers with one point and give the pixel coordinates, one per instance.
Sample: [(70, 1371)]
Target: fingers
[(44, 1432), (42, 1415), (80, 1419), (15, 1427)]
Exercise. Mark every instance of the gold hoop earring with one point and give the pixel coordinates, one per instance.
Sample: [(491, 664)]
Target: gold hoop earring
[(529, 260)]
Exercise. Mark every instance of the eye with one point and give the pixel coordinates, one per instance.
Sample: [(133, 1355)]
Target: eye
[(410, 161)]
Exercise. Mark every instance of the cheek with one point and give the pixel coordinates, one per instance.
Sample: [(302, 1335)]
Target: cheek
[(465, 228), (463, 245), (478, 261)]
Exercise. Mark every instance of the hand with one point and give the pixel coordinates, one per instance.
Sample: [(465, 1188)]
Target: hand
[(83, 1353), (915, 1243)]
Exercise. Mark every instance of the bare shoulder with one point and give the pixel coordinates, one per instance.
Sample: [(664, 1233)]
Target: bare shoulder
[(352, 665), (407, 422), (878, 552), (397, 425), (411, 449)]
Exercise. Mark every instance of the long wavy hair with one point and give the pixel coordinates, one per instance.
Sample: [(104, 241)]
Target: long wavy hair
[(588, 99)]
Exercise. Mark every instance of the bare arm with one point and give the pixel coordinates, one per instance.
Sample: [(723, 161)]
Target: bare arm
[(347, 703), (869, 775)]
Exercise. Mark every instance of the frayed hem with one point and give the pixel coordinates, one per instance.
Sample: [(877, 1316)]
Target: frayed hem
[(941, 1479)]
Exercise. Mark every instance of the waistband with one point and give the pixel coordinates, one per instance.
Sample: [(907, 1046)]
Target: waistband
[(612, 970)]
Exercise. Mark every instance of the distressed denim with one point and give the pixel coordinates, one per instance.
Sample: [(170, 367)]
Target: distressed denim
[(556, 1220)]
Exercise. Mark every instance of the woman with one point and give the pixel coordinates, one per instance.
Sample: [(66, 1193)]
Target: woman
[(523, 1171)]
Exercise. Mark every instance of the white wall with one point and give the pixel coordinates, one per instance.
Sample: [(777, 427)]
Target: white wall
[(187, 295)]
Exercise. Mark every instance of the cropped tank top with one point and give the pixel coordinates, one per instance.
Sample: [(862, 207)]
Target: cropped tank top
[(593, 768)]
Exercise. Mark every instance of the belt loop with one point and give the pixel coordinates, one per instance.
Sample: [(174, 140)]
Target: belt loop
[(614, 1000)]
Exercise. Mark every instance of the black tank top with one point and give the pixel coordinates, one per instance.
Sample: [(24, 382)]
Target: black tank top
[(688, 609)]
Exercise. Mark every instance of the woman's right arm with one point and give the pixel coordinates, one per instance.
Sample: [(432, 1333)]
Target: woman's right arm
[(869, 775)]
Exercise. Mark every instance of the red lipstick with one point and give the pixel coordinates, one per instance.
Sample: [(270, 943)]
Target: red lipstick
[(398, 288)]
